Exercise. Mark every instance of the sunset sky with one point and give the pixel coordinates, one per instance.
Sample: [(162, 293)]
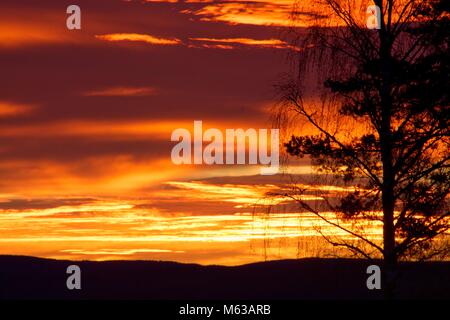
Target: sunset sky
[(85, 124)]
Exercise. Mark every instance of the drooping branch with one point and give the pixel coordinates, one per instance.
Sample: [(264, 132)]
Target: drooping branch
[(307, 207)]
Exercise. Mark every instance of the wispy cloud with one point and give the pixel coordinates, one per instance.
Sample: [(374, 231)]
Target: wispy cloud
[(280, 13), (248, 12), (244, 195), (25, 32), (267, 43), (139, 38), (211, 46), (10, 109)]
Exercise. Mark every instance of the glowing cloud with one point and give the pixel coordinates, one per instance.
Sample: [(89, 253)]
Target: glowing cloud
[(256, 13), (8, 109), (138, 37), (269, 43), (14, 34)]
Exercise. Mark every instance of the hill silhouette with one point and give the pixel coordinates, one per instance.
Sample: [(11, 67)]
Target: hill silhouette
[(23, 277)]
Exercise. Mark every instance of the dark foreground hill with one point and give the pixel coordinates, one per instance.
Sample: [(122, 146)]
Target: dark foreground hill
[(34, 278)]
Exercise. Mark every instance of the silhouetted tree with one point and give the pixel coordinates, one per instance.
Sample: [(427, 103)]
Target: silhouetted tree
[(382, 123)]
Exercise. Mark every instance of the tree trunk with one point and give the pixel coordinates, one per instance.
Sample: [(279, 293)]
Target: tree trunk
[(388, 198), (390, 256), (388, 201)]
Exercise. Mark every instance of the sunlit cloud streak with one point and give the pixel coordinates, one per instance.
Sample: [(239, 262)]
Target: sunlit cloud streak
[(119, 252), (139, 38), (212, 46), (11, 109), (18, 34), (246, 12), (261, 43)]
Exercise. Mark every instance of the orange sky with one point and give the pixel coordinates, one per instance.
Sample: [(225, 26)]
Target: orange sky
[(85, 124)]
